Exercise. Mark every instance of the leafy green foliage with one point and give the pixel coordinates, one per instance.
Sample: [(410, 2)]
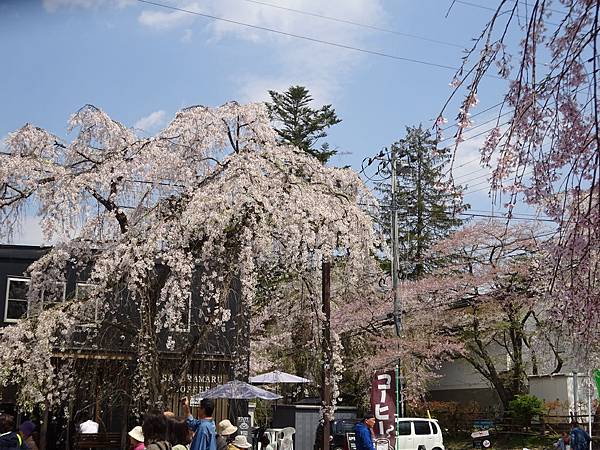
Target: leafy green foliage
[(298, 124), (427, 203), (523, 408)]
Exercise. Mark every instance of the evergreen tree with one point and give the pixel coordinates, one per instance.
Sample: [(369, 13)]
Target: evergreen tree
[(427, 203), (300, 125)]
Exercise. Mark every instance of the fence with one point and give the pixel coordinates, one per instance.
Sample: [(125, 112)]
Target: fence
[(456, 422)]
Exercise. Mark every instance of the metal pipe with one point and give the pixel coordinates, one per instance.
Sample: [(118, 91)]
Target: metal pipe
[(394, 211), (575, 398), (590, 407)]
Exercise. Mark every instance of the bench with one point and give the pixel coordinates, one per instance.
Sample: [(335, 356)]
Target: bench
[(97, 440)]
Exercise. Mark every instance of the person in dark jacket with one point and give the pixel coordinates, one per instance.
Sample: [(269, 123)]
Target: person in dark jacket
[(580, 440), (9, 440), (364, 433)]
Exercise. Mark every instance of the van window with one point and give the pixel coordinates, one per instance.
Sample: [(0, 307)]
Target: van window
[(422, 427), (434, 427), (404, 429)]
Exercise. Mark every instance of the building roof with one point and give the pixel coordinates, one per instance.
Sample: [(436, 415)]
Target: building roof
[(22, 252)]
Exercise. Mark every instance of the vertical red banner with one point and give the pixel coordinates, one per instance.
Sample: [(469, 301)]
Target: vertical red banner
[(383, 405)]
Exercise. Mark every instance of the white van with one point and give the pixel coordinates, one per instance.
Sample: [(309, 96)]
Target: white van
[(419, 434)]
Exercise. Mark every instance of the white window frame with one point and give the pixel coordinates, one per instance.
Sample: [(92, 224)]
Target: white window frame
[(6, 300), (82, 284), (188, 328), (64, 295)]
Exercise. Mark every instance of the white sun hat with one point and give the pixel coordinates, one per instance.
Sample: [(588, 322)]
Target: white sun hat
[(137, 434), (241, 442)]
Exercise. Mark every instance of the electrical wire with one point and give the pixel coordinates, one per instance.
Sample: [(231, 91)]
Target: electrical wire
[(357, 24), (488, 8), (306, 38)]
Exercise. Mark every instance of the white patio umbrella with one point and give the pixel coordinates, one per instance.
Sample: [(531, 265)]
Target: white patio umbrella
[(236, 390), (277, 377)]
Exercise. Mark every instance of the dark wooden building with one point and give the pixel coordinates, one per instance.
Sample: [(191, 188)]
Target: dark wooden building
[(109, 363)]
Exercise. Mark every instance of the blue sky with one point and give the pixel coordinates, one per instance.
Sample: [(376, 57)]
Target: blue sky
[(141, 63)]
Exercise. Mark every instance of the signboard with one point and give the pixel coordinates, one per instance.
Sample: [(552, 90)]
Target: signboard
[(383, 405), (350, 441), (479, 434), (481, 439), (243, 424)]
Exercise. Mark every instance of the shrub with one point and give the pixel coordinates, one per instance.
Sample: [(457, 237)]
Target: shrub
[(523, 408)]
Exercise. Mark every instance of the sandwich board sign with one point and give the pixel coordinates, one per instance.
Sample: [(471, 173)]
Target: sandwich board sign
[(243, 424)]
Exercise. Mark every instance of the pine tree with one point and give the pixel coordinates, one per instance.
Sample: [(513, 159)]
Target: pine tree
[(300, 125), (427, 203)]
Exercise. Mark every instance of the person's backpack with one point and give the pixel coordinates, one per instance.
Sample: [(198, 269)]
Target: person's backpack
[(579, 439), (12, 444)]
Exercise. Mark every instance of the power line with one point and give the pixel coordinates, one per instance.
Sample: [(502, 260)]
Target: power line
[(487, 174), (488, 8), (478, 213), (505, 212), (357, 24), (306, 38), (476, 114), (495, 119), (506, 217)]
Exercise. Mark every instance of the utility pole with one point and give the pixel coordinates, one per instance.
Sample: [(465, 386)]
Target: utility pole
[(394, 211), (397, 305), (327, 352)]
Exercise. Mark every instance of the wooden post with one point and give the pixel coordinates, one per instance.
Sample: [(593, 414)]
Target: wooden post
[(125, 424), (327, 353), (44, 427)]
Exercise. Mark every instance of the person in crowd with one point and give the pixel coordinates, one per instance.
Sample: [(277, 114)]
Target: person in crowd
[(35, 436), (364, 433), (9, 440), (136, 438), (579, 438), (225, 432), (563, 442), (26, 431), (205, 437), (88, 426), (180, 435), (155, 428), (239, 443)]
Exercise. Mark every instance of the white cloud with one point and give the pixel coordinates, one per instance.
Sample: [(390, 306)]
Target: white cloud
[(165, 19), (467, 160), (151, 122), (53, 5), (320, 67)]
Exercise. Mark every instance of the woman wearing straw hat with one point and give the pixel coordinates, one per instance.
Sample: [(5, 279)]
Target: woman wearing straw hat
[(239, 443), (136, 436), (225, 431)]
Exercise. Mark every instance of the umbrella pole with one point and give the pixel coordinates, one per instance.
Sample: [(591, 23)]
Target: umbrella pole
[(276, 400)]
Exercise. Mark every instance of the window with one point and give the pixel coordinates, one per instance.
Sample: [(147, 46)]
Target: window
[(434, 428), (422, 427), (55, 295), (50, 297), (90, 314), (15, 306), (186, 317), (404, 429)]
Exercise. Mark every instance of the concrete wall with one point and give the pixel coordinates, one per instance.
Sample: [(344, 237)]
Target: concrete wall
[(559, 388), (458, 374)]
